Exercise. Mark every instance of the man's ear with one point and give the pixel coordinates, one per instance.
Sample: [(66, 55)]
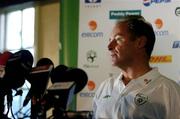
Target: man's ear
[(141, 42)]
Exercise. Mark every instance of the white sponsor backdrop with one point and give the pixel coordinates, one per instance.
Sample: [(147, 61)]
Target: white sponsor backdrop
[(95, 25)]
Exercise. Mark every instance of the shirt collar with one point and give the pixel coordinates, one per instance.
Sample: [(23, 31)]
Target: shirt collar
[(146, 78)]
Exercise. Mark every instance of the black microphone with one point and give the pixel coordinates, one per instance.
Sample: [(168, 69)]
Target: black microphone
[(38, 78), (63, 73), (17, 69), (59, 73), (79, 76), (66, 82)]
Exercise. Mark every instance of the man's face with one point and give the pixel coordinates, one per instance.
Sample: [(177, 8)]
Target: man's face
[(122, 48)]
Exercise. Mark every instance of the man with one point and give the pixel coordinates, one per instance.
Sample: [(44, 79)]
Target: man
[(140, 91)]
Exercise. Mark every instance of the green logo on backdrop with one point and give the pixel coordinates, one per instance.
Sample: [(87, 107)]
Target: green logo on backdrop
[(120, 14)]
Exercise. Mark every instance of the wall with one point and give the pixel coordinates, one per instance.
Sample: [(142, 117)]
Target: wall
[(47, 34)]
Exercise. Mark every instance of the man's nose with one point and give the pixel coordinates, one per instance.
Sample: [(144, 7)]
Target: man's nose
[(111, 45)]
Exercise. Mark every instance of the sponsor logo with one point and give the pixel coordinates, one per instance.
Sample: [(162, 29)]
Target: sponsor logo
[(162, 33), (161, 59), (91, 56), (176, 44), (92, 1), (87, 94), (92, 25), (119, 14), (91, 34), (159, 25), (149, 2), (90, 66), (91, 85), (177, 11), (140, 99)]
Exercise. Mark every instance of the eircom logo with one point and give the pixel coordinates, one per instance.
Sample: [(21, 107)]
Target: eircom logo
[(149, 2), (161, 59), (91, 85), (92, 25), (159, 25)]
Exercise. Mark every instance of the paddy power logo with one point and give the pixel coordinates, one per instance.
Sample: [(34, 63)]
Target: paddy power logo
[(118, 14), (161, 59)]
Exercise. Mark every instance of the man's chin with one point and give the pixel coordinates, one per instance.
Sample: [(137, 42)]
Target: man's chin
[(113, 64)]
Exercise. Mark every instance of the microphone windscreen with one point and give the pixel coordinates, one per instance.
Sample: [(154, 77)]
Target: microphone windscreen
[(18, 68), (4, 57), (79, 76), (25, 58), (44, 61), (59, 73), (64, 74)]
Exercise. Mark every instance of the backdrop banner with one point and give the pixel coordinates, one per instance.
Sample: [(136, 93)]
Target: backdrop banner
[(96, 19)]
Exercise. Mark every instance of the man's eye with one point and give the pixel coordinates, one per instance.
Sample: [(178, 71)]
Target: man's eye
[(119, 39)]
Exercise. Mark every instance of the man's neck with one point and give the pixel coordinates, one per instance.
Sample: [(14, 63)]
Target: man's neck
[(133, 73)]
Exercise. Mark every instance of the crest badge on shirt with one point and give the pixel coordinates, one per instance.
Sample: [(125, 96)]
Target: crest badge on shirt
[(140, 99)]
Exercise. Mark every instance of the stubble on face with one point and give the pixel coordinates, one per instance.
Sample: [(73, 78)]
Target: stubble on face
[(121, 54)]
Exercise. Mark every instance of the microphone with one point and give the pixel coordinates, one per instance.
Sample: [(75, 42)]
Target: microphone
[(64, 74), (39, 77), (17, 68), (79, 76), (59, 73), (66, 82), (44, 61), (3, 60)]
